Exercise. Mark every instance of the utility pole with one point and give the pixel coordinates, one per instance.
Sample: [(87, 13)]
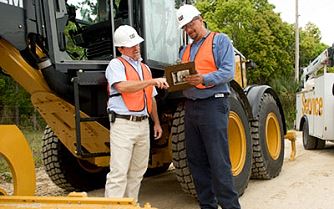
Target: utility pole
[(297, 45)]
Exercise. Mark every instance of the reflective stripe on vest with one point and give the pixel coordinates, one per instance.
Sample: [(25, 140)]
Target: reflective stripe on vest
[(135, 101), (204, 59)]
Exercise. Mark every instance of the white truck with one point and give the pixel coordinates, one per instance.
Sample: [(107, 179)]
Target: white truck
[(315, 102)]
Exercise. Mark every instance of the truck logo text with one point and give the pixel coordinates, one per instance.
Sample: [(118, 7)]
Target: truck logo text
[(16, 3), (312, 106)]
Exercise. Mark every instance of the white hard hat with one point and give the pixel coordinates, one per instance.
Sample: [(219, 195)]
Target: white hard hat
[(185, 14), (126, 36)]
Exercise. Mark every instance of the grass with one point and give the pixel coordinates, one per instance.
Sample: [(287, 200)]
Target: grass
[(34, 139)]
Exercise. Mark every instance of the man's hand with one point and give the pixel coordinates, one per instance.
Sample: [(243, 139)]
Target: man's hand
[(157, 131), (161, 83), (194, 79)]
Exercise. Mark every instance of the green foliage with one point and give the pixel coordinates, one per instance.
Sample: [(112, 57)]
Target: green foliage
[(88, 10), (73, 50), (2, 83), (12, 94), (286, 88), (35, 142), (13, 97), (256, 31), (4, 169), (330, 69), (310, 44)]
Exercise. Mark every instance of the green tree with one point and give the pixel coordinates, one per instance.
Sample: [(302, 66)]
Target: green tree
[(73, 50), (14, 96), (256, 31), (2, 87), (310, 44)]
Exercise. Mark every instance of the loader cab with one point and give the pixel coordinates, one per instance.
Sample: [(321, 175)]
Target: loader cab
[(78, 38), (93, 27), (84, 31)]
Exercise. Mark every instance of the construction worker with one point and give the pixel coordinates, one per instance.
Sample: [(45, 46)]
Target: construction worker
[(207, 111), (131, 101)]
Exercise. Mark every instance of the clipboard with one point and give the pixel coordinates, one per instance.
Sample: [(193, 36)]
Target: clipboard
[(175, 75)]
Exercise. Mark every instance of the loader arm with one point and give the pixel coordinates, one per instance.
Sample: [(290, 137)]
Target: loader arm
[(58, 114)]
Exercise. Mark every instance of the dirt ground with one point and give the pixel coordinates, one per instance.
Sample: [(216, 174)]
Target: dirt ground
[(305, 183)]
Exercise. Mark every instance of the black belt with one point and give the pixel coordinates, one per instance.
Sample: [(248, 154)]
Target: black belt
[(132, 117), (215, 96)]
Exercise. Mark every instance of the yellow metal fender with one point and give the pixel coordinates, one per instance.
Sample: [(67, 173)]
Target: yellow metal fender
[(16, 151)]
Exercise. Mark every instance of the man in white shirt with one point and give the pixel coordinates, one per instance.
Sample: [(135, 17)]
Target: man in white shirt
[(131, 101)]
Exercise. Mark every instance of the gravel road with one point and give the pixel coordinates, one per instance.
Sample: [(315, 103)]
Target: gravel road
[(305, 183)]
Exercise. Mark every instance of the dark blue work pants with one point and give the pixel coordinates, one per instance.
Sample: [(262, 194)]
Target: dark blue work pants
[(206, 123)]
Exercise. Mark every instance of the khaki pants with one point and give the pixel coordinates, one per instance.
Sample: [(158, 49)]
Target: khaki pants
[(129, 145)]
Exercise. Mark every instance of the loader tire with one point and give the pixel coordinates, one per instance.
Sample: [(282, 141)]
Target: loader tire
[(67, 171), (311, 142), (268, 139), (239, 144), (180, 163)]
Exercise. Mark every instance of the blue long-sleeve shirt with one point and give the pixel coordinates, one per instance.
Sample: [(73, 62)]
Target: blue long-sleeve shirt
[(223, 53)]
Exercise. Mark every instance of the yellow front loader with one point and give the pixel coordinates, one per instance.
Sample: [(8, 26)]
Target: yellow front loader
[(58, 50)]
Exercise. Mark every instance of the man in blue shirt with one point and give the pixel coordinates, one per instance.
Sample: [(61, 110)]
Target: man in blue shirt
[(207, 111)]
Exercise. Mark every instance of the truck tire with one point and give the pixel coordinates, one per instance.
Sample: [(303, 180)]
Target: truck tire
[(268, 139), (239, 144), (67, 171), (321, 143), (311, 142)]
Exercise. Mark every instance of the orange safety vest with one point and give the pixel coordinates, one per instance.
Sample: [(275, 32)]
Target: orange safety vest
[(204, 59), (135, 101)]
